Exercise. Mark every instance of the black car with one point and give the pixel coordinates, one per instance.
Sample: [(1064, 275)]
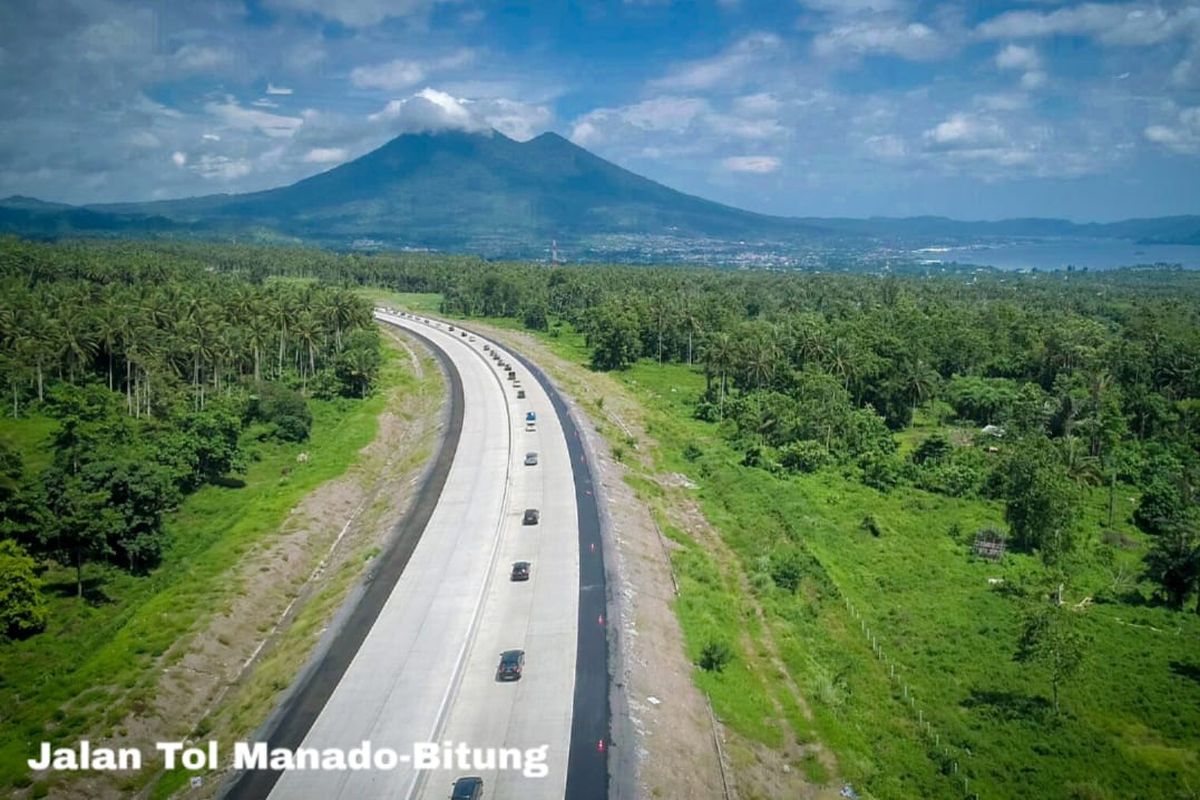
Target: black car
[(520, 394), (531, 459), (520, 571), (467, 789), (511, 664), (531, 517)]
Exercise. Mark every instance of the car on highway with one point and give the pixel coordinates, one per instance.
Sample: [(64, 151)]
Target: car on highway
[(511, 664), (520, 394), (532, 515), (520, 570), (470, 788), (531, 459), (530, 427)]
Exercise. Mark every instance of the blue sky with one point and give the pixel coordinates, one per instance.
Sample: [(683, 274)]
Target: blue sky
[(978, 110)]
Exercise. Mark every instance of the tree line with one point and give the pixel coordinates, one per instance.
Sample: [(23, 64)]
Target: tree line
[(157, 366)]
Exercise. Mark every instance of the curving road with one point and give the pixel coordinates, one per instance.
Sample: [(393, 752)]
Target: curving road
[(416, 659)]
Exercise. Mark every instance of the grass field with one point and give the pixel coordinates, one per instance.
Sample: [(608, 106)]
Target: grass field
[(92, 665), (945, 712), (1131, 726)]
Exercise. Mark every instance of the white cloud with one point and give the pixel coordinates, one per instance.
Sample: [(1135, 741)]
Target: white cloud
[(1180, 136), (516, 120), (855, 7), (325, 155), (727, 70), (886, 147), (758, 165), (210, 137), (431, 110), (965, 131), (759, 104), (914, 41), (1017, 57), (390, 77), (178, 158), (273, 89), (144, 140), (1033, 79), (359, 13), (249, 119), (400, 73), (1129, 24), (203, 58)]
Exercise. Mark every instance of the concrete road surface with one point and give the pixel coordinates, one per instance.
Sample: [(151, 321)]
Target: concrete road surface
[(426, 670)]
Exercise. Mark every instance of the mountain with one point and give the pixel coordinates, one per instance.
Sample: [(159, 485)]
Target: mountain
[(462, 190), (489, 194)]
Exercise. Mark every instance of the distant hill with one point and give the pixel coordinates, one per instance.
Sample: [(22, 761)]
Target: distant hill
[(486, 193)]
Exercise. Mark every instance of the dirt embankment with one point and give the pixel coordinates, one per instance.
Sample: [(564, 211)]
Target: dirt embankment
[(677, 740), (676, 752), (222, 680)]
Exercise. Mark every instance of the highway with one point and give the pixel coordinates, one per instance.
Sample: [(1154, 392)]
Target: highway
[(424, 664)]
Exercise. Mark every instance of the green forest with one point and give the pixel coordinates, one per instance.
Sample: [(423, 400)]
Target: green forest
[(857, 439), (154, 372)]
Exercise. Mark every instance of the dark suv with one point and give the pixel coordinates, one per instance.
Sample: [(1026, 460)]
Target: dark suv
[(520, 571), (467, 789), (511, 664), (531, 517)]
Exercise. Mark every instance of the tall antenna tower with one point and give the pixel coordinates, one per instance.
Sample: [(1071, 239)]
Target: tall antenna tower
[(554, 251)]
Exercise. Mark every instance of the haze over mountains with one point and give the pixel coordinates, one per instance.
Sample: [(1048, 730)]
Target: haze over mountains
[(488, 194)]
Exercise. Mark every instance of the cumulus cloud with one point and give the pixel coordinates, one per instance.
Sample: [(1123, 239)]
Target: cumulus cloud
[(1017, 57), (965, 131), (729, 69), (392, 76), (1182, 135), (401, 74), (203, 58), (430, 110), (914, 41), (1129, 24), (325, 155), (759, 165), (273, 89), (179, 158), (249, 119), (359, 13)]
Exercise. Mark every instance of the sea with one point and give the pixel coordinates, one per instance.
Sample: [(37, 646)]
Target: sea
[(1054, 254)]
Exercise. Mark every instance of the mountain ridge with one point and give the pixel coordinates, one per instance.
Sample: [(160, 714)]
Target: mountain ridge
[(487, 193)]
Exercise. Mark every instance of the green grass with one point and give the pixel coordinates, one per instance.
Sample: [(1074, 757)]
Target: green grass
[(1131, 725), (411, 301), (1131, 721), (91, 666)]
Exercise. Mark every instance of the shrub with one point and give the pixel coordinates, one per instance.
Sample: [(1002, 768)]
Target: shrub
[(872, 526), (715, 656), (787, 570), (283, 409), (22, 607), (880, 471), (934, 448), (804, 456), (691, 452)]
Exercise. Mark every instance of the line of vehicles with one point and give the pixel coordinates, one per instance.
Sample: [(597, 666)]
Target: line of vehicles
[(512, 662)]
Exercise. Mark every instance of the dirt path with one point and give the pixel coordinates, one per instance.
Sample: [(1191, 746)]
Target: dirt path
[(221, 681)]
